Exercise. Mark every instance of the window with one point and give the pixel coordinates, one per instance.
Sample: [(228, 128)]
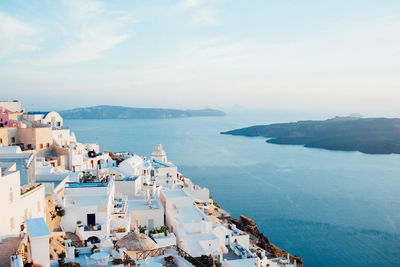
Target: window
[(48, 145), (41, 146), (29, 146), (12, 139), (12, 223), (11, 196), (58, 123)]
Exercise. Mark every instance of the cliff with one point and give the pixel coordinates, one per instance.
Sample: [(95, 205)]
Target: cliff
[(370, 135), (249, 226)]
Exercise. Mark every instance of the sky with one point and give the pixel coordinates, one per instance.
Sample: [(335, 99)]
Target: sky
[(261, 54)]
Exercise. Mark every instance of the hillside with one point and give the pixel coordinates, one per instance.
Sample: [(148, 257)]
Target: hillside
[(370, 135)]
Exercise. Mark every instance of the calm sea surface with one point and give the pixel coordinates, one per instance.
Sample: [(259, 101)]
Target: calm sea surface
[(331, 208)]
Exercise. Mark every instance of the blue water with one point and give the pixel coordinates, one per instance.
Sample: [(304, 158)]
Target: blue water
[(331, 208)]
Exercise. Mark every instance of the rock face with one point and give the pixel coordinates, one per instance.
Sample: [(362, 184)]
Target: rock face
[(248, 225)]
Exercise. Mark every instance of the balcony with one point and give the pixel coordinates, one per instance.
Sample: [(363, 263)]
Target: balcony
[(120, 204), (86, 231)]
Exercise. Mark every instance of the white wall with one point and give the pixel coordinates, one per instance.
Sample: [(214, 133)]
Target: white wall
[(143, 217), (31, 204), (53, 118), (40, 250), (128, 188)]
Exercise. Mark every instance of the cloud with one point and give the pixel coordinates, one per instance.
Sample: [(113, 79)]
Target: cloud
[(201, 12), (15, 36), (84, 50), (89, 31), (191, 3), (205, 17)]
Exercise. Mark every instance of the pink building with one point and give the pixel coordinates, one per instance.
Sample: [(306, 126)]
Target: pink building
[(7, 118)]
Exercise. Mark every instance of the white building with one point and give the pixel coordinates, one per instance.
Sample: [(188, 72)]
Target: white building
[(83, 157), (159, 154), (25, 162), (18, 203), (51, 118), (38, 241), (192, 228), (93, 210)]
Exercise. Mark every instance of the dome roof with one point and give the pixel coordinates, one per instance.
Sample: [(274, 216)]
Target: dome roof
[(158, 151), (136, 242)]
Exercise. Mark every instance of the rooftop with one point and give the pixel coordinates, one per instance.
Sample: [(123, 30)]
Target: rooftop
[(86, 201), (37, 228), (44, 113), (143, 205), (162, 164), (175, 193)]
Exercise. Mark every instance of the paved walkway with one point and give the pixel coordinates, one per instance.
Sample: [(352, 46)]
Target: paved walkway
[(7, 248)]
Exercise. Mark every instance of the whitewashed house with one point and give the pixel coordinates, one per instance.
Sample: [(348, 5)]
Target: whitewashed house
[(17, 203), (93, 210), (51, 118), (192, 228)]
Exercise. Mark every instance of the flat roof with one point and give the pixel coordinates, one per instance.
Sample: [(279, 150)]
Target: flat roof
[(37, 228), (250, 262), (143, 205), (175, 193), (190, 215)]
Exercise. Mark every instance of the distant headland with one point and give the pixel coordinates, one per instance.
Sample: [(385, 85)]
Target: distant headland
[(119, 112), (367, 135)]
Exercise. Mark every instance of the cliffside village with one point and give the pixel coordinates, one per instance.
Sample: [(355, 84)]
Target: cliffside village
[(65, 203)]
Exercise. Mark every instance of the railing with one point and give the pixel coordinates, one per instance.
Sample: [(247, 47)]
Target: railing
[(141, 255), (88, 228), (189, 258)]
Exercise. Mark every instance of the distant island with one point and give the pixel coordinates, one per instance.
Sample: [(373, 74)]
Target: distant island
[(369, 135), (119, 112)]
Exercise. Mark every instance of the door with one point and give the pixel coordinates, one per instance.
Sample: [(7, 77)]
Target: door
[(91, 219)]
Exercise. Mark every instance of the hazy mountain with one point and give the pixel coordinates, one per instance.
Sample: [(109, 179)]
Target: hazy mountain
[(118, 112)]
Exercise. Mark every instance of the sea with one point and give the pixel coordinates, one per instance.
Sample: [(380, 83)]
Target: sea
[(331, 208)]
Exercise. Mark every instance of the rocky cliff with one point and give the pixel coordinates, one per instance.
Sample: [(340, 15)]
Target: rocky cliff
[(248, 225)]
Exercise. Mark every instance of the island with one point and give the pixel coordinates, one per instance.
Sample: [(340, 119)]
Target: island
[(119, 112), (366, 135)]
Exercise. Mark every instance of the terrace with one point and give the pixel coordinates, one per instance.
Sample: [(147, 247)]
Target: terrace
[(120, 204), (84, 232), (29, 188)]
